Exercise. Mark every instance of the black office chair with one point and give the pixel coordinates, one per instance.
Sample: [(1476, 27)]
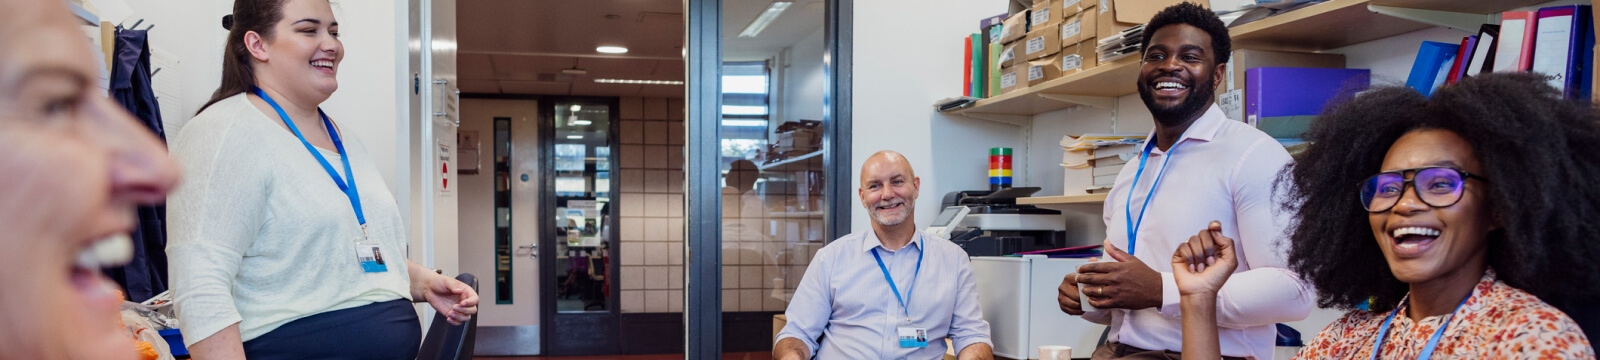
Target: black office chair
[(447, 342)]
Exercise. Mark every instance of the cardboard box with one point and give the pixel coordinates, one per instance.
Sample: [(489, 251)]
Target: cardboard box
[(1010, 54), (778, 322), (1078, 57), (1041, 43), (1073, 7), (1013, 79), (1119, 15), (1015, 27), (1044, 69), (1076, 28), (1245, 59), (1045, 13)]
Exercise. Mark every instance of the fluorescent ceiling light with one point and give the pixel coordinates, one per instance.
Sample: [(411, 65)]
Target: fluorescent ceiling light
[(611, 50), (728, 122), (643, 82), (581, 122), (766, 18), (575, 108), (574, 137)]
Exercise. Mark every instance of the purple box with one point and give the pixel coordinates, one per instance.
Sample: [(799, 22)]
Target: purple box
[(1280, 91)]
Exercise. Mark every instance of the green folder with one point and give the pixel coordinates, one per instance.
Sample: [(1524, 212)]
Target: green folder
[(992, 68)]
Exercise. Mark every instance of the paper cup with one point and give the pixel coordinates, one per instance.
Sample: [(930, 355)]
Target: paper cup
[(1083, 296), (1055, 352)]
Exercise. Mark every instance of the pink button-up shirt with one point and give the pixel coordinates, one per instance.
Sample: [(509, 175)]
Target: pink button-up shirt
[(1221, 170)]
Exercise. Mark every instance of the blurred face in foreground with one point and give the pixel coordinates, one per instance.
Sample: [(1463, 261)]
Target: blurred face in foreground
[(73, 165)]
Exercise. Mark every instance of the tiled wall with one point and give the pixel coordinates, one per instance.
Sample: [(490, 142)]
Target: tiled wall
[(768, 239), (765, 248), (651, 226)]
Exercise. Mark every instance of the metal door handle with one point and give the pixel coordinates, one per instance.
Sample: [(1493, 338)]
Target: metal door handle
[(533, 250)]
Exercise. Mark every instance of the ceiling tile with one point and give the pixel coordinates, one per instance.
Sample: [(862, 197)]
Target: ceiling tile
[(590, 88), (666, 91), (534, 88), (473, 66), (479, 86)]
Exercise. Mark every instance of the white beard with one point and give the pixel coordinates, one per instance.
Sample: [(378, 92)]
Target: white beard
[(905, 211)]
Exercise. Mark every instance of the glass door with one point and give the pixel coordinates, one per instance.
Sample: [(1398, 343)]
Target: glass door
[(582, 301)]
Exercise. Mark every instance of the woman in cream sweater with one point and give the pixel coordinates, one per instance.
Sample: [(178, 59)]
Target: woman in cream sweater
[(275, 237)]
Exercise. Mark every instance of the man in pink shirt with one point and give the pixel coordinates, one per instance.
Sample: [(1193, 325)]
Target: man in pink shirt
[(1198, 166)]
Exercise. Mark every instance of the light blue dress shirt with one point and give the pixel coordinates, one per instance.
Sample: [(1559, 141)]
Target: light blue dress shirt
[(845, 296)]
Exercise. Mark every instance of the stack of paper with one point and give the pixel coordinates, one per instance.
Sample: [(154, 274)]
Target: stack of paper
[(1091, 141), (1121, 44), (1092, 161)]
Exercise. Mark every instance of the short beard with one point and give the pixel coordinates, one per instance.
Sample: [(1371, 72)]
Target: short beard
[(906, 209), (1199, 98)]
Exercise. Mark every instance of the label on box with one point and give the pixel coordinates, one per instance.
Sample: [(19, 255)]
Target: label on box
[(1230, 71), (1072, 28), (1232, 103), (1006, 55), (1035, 45), (1008, 80), (1066, 3), (1105, 7), (1041, 16), (1035, 72), (1071, 62)]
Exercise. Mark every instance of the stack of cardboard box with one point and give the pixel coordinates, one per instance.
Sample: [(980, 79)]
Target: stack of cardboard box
[(1059, 41)]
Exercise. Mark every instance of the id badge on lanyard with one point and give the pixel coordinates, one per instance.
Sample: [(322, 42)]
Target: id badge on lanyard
[(910, 336), (369, 254)]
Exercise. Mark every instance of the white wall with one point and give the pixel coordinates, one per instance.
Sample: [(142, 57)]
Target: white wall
[(803, 80), (366, 101), (905, 59)]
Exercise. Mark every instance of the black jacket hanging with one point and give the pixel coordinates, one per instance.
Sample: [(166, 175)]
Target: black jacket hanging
[(146, 275)]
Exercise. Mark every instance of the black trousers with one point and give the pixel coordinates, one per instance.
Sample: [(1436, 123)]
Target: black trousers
[(387, 330)]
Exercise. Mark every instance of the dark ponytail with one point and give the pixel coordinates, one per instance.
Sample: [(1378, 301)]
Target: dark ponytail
[(238, 73)]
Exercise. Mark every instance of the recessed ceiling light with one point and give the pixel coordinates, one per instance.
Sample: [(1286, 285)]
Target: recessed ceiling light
[(766, 18), (641, 82), (577, 107), (575, 137), (611, 50)]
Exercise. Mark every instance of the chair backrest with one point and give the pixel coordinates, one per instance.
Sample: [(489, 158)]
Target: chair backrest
[(450, 342)]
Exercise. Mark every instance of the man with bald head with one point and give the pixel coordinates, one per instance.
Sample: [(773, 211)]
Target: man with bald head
[(893, 292)]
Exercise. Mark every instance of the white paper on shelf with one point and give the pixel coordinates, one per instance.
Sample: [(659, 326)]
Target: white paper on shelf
[(1510, 47), (1479, 55), (1550, 50)]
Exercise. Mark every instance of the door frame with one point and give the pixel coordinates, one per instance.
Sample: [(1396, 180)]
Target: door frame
[(552, 322), (703, 316)]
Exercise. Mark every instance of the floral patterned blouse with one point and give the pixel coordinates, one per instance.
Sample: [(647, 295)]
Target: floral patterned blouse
[(1498, 322)]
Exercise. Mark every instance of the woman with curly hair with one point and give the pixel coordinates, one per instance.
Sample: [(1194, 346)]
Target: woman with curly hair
[(1455, 226)]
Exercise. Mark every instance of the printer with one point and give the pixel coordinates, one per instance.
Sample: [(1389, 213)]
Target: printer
[(991, 223)]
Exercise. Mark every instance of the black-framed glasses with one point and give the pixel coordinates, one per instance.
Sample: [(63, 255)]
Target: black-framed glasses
[(1437, 186)]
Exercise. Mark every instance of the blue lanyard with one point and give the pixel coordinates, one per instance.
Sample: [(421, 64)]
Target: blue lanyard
[(350, 188), (1433, 342), (1133, 226), (886, 276)]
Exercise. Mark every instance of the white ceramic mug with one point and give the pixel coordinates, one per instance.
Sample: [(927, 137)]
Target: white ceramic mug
[(1055, 352)]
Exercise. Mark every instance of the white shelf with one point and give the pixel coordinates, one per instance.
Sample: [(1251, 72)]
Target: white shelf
[(790, 161)]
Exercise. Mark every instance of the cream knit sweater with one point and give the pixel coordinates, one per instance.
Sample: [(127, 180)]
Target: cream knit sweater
[(259, 235)]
